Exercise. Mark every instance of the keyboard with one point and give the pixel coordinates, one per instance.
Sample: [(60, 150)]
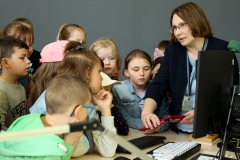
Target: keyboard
[(142, 142), (174, 150)]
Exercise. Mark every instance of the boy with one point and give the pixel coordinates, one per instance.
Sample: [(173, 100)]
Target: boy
[(15, 64), (66, 99)]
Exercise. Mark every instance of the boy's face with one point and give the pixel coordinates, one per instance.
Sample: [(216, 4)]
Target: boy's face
[(19, 63)]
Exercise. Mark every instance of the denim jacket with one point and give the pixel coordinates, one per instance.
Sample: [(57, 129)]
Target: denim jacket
[(130, 105)]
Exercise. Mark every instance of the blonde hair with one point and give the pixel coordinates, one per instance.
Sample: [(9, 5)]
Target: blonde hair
[(41, 79), (65, 91), (18, 31), (25, 22), (105, 43), (77, 59), (65, 31)]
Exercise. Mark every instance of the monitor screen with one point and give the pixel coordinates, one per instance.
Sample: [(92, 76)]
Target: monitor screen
[(214, 79)]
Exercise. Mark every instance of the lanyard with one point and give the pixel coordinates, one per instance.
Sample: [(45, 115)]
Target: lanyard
[(190, 81)]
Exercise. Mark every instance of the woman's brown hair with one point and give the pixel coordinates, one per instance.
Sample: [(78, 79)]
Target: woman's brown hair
[(195, 18)]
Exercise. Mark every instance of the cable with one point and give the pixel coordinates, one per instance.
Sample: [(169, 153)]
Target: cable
[(235, 149)]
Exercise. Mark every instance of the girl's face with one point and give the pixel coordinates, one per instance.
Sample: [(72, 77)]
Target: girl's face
[(95, 79), (109, 60), (30, 48), (78, 35), (183, 34), (139, 71)]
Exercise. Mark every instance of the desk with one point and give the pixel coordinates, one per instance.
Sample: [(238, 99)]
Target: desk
[(133, 133)]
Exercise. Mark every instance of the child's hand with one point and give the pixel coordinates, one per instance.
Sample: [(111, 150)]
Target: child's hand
[(155, 129), (103, 100)]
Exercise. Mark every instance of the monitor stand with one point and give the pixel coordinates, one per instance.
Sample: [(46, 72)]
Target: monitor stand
[(225, 140)]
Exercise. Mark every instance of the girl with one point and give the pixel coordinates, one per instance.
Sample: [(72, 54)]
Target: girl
[(158, 56), (35, 55), (72, 32), (129, 95), (86, 64), (107, 50), (67, 32), (190, 33), (44, 73)]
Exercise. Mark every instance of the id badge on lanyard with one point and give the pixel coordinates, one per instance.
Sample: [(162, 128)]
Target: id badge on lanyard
[(187, 103)]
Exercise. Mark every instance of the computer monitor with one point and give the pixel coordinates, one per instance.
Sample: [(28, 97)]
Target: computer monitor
[(214, 80)]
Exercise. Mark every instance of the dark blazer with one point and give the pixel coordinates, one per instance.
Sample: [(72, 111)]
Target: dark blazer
[(172, 75)]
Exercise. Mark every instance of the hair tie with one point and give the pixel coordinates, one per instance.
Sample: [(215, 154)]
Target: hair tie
[(158, 53), (78, 47)]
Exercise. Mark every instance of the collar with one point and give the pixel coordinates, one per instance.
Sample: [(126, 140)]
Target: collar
[(131, 88)]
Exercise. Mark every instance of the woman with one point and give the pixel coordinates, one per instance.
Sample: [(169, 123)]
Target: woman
[(190, 33)]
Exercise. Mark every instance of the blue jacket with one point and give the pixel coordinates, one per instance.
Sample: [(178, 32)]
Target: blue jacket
[(130, 105)]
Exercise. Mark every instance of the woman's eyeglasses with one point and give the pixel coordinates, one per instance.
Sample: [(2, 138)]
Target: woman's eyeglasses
[(180, 26)]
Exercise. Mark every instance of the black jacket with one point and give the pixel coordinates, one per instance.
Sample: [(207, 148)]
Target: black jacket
[(172, 75)]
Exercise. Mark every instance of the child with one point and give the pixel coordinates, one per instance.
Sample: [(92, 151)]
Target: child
[(70, 109), (14, 62), (129, 95), (72, 32), (158, 56), (51, 55), (22, 32), (107, 50), (34, 55), (85, 64)]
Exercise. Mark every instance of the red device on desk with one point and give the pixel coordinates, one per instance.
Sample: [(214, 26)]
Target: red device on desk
[(167, 119)]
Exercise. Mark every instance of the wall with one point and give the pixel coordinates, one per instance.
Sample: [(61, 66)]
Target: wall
[(132, 24)]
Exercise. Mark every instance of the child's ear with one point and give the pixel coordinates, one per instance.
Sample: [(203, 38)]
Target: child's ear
[(76, 112), (126, 72), (87, 73), (5, 63)]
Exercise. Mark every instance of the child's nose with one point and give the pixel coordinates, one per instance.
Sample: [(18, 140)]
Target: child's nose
[(107, 61)]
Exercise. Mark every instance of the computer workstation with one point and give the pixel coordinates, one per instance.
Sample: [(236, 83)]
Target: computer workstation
[(214, 94), (220, 87)]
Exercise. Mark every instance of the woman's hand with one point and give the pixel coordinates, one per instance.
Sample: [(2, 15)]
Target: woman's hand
[(150, 120), (103, 100), (189, 117)]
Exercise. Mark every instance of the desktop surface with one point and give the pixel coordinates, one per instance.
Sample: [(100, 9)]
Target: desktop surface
[(133, 133)]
